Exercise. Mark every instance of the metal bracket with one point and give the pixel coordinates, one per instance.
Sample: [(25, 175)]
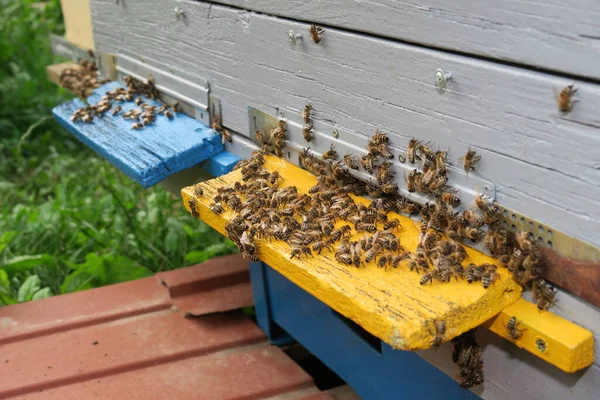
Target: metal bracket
[(63, 48), (175, 84), (545, 235), (214, 108), (349, 142)]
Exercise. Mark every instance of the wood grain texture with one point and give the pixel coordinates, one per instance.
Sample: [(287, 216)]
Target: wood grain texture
[(149, 155), (567, 346), (392, 305), (558, 35), (544, 164), (515, 374), (78, 23)]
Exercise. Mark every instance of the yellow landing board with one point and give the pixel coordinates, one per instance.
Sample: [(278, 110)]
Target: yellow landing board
[(550, 337), (391, 304)]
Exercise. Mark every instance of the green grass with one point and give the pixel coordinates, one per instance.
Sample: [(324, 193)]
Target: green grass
[(69, 220)]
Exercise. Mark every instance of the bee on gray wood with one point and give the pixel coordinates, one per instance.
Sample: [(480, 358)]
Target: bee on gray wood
[(366, 161), (449, 197), (384, 151), (565, 104), (512, 327), (411, 152), (306, 113), (307, 132), (389, 188), (411, 180), (469, 160), (350, 161), (380, 138), (316, 33), (524, 243), (440, 332), (330, 154)]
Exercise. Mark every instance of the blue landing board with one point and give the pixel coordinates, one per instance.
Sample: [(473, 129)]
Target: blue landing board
[(149, 155)]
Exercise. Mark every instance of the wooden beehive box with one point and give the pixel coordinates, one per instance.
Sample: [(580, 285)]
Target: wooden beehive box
[(458, 76)]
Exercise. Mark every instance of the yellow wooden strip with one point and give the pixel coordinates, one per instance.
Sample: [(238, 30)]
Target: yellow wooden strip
[(78, 23), (391, 305), (548, 336)]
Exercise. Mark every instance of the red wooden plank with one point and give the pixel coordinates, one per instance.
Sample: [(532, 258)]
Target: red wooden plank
[(118, 346), (240, 374), (69, 311)]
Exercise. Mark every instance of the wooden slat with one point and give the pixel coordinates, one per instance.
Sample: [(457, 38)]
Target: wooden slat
[(561, 35), (565, 345), (78, 23), (392, 305), (149, 155), (542, 162)]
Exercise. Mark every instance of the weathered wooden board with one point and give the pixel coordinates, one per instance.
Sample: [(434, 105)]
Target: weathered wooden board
[(557, 34), (391, 304), (149, 155), (544, 164), (78, 23), (515, 374)]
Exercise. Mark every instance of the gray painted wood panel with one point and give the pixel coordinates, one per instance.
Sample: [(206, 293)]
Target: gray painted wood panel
[(515, 374), (544, 164), (561, 35)]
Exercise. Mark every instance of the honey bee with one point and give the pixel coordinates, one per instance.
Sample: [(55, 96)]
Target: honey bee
[(316, 33), (137, 126), (438, 183), (565, 104), (330, 154), (226, 136), (365, 227), (384, 151), (524, 243), (175, 106), (516, 259), (450, 198), (481, 203), (543, 293), (380, 138), (299, 251), (411, 180), (440, 331), (306, 113), (512, 327), (337, 234), (473, 219), (489, 241), (395, 261), (320, 245), (193, 209), (366, 162), (139, 101), (216, 208), (116, 110), (440, 163), (372, 253), (411, 152), (162, 109), (427, 277), (392, 224), (474, 273), (198, 191), (307, 132), (383, 262), (344, 258), (88, 118), (274, 177), (350, 161), (469, 160), (501, 241), (169, 114), (389, 188), (489, 276), (530, 261)]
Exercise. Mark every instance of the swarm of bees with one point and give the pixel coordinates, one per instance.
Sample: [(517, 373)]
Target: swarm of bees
[(144, 116), (316, 33), (467, 354), (327, 220), (83, 79)]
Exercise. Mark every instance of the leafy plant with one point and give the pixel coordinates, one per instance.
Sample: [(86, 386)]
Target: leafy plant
[(69, 220)]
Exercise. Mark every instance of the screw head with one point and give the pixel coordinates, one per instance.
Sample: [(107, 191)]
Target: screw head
[(541, 344), (293, 37), (336, 133), (442, 78)]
